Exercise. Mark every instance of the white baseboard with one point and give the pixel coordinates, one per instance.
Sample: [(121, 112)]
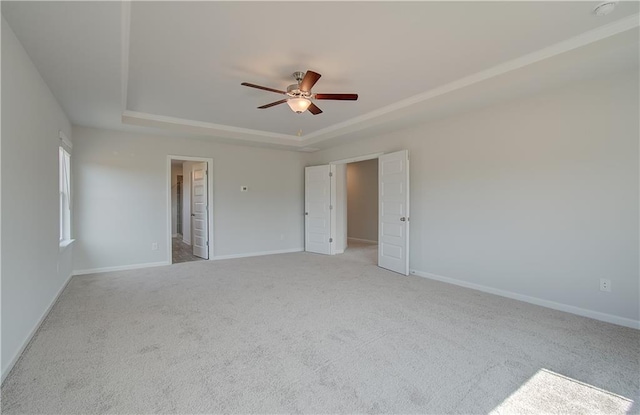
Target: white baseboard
[(175, 235), (26, 342), (119, 268), (341, 251), (597, 315), (250, 254), (362, 240), (186, 242)]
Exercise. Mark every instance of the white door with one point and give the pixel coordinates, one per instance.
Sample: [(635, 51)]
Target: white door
[(393, 196), (199, 211), (317, 198)]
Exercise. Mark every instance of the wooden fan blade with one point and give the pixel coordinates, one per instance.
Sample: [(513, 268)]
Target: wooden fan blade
[(341, 97), (309, 80), (273, 104), (264, 88), (314, 109)]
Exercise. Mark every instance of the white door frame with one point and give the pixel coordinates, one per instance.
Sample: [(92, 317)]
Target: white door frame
[(357, 159), (334, 196), (209, 162)]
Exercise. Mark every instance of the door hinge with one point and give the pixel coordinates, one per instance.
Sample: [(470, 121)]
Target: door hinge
[(207, 243), (330, 207), (330, 240), (330, 174)]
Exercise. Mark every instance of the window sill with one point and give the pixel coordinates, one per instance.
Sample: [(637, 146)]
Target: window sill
[(65, 244)]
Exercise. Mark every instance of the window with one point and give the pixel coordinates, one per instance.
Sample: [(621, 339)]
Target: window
[(65, 194)]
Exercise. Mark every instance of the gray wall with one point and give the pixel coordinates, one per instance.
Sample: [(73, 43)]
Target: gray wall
[(537, 196), (362, 200), (121, 197), (33, 268)]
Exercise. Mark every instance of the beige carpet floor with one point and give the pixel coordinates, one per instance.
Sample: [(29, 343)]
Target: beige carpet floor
[(314, 334)]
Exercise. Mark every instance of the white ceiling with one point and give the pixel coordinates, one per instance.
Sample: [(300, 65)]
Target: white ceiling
[(179, 65)]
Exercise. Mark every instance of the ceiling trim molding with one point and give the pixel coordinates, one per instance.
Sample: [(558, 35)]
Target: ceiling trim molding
[(201, 127), (125, 21), (365, 120), (586, 38)]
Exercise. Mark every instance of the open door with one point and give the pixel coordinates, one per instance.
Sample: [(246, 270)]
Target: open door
[(393, 196), (199, 211), (317, 201)]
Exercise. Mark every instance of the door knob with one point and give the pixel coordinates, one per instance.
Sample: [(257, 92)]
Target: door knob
[(193, 214), (402, 219), (306, 213)]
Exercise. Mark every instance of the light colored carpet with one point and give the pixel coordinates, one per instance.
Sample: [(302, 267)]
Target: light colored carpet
[(316, 334)]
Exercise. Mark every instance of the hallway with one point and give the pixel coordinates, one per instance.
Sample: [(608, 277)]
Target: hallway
[(181, 252)]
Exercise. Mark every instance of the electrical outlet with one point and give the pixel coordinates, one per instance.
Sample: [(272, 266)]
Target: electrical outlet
[(244, 188), (605, 285), (154, 246)]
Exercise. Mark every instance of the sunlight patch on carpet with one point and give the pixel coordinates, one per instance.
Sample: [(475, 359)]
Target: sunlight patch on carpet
[(550, 392)]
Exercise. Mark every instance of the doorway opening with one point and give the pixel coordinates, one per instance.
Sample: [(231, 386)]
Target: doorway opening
[(190, 217), (361, 219), (326, 209)]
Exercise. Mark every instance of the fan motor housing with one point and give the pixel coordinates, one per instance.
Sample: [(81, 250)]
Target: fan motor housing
[(293, 91)]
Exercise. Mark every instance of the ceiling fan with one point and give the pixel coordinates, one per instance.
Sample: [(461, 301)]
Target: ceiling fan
[(299, 95)]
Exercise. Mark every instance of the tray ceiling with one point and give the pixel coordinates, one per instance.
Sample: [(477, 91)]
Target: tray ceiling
[(179, 65)]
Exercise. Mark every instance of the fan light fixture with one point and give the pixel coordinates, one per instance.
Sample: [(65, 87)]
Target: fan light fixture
[(298, 105)]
